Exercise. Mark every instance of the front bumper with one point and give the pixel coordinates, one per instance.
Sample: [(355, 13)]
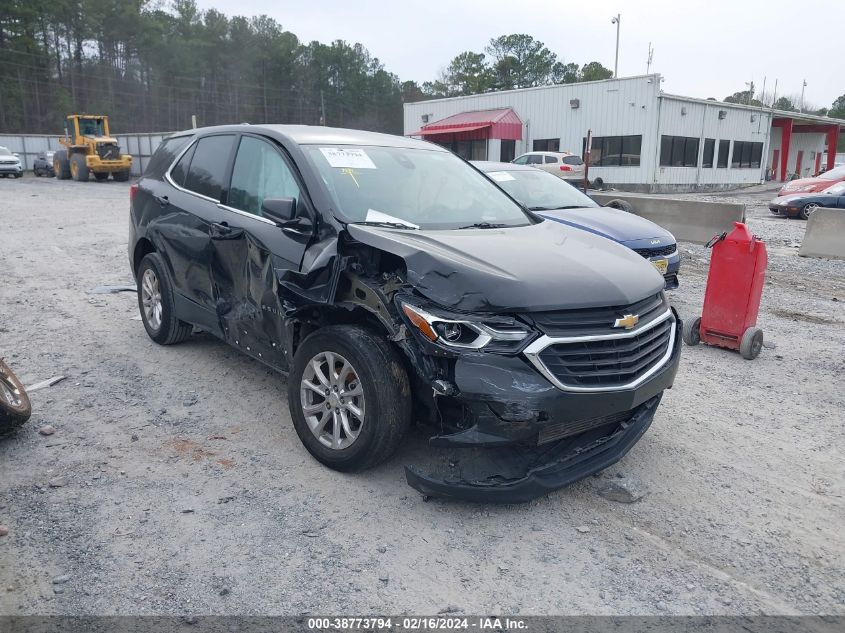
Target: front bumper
[(527, 436), (11, 168)]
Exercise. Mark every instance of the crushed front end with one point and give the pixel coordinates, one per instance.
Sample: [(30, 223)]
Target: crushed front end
[(532, 402)]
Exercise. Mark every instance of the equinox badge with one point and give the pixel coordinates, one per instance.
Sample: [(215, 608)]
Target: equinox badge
[(628, 321)]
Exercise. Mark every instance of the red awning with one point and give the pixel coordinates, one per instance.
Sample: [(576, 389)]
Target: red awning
[(502, 123)]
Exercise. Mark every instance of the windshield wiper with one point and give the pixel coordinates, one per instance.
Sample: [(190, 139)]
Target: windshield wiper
[(389, 225), (483, 225)]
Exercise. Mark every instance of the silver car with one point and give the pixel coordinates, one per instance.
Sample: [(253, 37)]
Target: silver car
[(10, 163)]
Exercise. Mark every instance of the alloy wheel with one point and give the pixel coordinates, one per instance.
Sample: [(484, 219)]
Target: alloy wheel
[(151, 298), (332, 400)]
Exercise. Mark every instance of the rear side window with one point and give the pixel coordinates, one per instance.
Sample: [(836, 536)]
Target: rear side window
[(164, 155), (207, 172), (180, 169), (551, 159)]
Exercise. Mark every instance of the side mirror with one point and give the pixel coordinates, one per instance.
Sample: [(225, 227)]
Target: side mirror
[(279, 210)]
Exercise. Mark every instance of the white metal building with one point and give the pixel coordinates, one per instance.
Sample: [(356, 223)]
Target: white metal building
[(643, 138)]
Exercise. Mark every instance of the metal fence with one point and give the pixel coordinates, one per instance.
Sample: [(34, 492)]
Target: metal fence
[(28, 146)]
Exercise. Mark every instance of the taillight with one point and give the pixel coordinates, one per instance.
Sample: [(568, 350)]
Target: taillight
[(565, 168), (132, 191)]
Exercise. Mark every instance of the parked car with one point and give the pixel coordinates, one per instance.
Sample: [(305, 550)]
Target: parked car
[(43, 164), (815, 184), (394, 282), (803, 204), (10, 164), (556, 200), (562, 164)]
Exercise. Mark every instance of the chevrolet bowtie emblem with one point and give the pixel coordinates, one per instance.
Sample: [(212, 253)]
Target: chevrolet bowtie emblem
[(628, 321)]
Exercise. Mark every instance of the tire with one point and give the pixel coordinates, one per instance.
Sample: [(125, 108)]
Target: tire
[(598, 183), (101, 175), (622, 205), (121, 176), (37, 173), (79, 168), (807, 210), (159, 317), (15, 407), (751, 343), (61, 165), (691, 333), (19, 175), (384, 400)]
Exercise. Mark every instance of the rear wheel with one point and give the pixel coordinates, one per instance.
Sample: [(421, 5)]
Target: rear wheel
[(349, 397), (121, 176), (807, 210), (78, 168), (155, 301), (61, 165), (101, 175), (15, 408)]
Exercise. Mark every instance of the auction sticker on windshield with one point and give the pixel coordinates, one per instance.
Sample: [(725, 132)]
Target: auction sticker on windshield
[(500, 176), (350, 158)]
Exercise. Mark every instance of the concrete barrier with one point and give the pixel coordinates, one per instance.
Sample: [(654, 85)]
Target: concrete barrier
[(824, 235), (687, 220)]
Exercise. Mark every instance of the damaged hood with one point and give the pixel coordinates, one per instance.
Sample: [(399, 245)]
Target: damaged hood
[(545, 266)]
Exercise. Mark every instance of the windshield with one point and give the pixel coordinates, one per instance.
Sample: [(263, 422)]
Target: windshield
[(416, 188), (539, 190), (836, 190), (834, 174), (5, 152), (91, 127)]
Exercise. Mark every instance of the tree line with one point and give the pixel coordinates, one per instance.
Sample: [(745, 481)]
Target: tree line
[(790, 103), (151, 67)]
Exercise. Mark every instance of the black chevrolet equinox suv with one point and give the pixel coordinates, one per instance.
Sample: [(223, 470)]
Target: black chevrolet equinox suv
[(392, 282)]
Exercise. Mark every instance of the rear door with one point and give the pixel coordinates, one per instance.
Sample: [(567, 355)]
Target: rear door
[(190, 213), (550, 164), (250, 254)]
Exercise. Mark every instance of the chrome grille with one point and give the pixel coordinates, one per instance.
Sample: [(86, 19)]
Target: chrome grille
[(596, 320), (606, 362)]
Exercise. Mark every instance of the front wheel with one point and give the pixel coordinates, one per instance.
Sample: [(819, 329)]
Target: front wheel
[(121, 176), (349, 397), (101, 175), (751, 343), (807, 210), (691, 332), (79, 168)]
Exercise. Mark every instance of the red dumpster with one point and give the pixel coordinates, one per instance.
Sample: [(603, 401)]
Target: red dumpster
[(732, 297)]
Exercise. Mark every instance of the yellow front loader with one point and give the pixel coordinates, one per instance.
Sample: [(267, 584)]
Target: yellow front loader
[(90, 149)]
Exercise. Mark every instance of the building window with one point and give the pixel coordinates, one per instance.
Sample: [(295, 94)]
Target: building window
[(615, 151), (678, 151), (508, 151), (724, 150), (468, 150), (547, 145), (747, 155), (709, 149)]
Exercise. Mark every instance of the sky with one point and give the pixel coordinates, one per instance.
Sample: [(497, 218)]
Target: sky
[(702, 48)]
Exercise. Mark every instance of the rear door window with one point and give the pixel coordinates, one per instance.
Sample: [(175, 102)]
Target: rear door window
[(207, 173), (259, 173)]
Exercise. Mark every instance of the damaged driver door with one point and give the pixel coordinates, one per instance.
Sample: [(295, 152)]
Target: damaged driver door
[(250, 251)]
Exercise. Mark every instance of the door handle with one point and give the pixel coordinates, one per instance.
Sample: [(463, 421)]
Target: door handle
[(162, 200)]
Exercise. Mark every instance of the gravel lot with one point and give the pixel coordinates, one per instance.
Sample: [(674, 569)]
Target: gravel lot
[(175, 483)]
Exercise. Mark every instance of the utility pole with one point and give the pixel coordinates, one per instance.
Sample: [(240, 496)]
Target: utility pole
[(617, 21), (322, 109), (650, 55), (803, 85)]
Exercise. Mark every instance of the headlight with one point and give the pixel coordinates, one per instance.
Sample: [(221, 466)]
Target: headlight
[(459, 334)]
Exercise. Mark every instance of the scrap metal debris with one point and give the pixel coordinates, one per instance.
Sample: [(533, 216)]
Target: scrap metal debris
[(45, 383), (108, 290)]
